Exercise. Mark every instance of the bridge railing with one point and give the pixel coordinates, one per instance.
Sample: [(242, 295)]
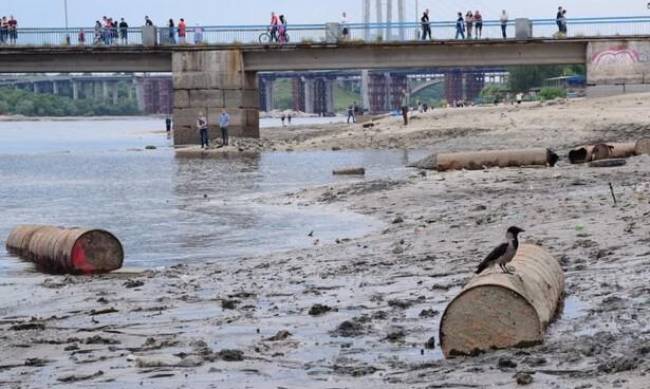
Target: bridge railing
[(373, 32)]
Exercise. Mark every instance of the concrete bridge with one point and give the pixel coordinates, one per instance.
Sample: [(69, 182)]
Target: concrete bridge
[(211, 78)]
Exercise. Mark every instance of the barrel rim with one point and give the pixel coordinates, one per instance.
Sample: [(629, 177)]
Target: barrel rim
[(88, 231), (490, 284)]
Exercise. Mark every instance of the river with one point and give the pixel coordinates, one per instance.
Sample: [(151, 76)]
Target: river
[(167, 210)]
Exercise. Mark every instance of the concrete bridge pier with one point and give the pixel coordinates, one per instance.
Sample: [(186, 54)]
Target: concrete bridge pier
[(206, 82), (298, 94), (75, 90), (309, 85), (266, 95)]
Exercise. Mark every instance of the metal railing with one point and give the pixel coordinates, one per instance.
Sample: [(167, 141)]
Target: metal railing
[(373, 32)]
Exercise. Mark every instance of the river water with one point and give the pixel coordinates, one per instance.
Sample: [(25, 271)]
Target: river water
[(166, 210)]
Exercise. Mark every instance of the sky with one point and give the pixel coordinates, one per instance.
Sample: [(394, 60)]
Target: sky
[(50, 13)]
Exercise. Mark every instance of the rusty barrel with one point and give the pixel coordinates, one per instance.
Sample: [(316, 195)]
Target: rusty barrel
[(496, 310), (67, 250), (600, 151), (642, 146), (477, 160)]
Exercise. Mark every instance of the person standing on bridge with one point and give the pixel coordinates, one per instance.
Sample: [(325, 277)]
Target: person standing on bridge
[(4, 30), (224, 123), (426, 26), (148, 22), (124, 32), (182, 31), (460, 26), (504, 24), (172, 32), (469, 22), (13, 30), (202, 125), (345, 31), (282, 34), (563, 23), (478, 22), (273, 28), (558, 18)]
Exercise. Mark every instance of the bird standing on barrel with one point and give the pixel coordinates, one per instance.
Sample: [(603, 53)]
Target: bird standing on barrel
[(504, 253)]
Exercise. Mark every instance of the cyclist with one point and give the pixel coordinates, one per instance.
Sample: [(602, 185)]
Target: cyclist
[(273, 29)]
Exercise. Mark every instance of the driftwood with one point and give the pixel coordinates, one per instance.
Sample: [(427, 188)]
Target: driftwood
[(497, 310), (350, 172)]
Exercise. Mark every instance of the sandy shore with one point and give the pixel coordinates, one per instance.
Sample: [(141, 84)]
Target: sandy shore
[(358, 313)]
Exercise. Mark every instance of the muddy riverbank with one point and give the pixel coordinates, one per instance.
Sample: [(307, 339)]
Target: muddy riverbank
[(364, 311)]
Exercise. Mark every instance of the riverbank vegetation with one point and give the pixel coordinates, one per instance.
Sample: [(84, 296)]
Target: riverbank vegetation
[(21, 102)]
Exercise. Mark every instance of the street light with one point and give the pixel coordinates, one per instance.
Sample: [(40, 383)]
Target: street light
[(65, 8)]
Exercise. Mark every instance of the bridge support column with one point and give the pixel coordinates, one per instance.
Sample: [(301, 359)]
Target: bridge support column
[(35, 86), (105, 90), (474, 83), (329, 96), (114, 92), (454, 86), (75, 90), (365, 95), (298, 94), (206, 82), (266, 103), (55, 88), (309, 95)]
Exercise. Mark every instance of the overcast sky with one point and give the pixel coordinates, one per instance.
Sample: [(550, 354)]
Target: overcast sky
[(49, 13)]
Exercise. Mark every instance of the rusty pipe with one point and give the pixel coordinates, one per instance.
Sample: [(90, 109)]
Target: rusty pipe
[(477, 160)]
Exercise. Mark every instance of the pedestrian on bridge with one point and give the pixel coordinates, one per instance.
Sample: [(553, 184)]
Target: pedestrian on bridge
[(13, 30), (478, 24), (460, 26), (172, 32), (558, 18), (345, 31), (202, 125), (426, 25), (81, 38), (4, 30), (469, 22), (182, 31), (224, 123), (124, 32), (504, 24), (148, 22)]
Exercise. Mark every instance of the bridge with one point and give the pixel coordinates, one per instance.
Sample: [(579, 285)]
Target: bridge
[(209, 78)]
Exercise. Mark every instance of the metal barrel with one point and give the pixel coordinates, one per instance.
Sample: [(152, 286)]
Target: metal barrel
[(597, 152), (67, 250), (496, 310), (477, 160), (642, 146)]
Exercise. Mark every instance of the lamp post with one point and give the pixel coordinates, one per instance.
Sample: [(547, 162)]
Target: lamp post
[(65, 9)]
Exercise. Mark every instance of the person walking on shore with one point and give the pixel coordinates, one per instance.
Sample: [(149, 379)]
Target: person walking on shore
[(405, 107), (426, 25), (469, 22), (460, 26), (478, 25), (202, 125), (351, 114), (168, 124), (504, 24), (224, 123)]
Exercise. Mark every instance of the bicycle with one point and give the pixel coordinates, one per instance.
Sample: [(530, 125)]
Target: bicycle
[(266, 38)]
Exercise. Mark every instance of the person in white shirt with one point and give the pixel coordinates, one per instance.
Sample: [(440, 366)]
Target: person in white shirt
[(224, 123), (504, 23)]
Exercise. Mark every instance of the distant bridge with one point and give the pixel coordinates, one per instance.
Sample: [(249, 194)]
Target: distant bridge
[(209, 78)]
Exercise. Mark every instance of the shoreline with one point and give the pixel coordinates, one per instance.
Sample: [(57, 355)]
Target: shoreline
[(358, 312)]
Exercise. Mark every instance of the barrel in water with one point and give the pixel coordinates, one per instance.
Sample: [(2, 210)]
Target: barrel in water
[(61, 250), (497, 310)]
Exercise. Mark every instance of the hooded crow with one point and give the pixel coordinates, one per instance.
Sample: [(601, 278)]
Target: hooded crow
[(504, 253)]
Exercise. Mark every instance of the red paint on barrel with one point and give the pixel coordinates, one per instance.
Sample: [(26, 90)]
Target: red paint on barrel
[(79, 261)]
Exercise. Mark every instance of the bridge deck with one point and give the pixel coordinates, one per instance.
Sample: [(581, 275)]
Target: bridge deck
[(307, 56)]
